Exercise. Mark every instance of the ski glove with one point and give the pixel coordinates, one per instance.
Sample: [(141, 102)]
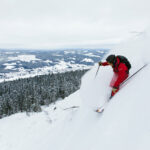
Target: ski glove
[(100, 63)]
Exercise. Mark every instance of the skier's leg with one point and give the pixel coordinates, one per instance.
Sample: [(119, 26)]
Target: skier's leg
[(116, 89)]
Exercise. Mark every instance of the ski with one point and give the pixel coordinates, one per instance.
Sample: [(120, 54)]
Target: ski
[(71, 107), (99, 110), (102, 108)]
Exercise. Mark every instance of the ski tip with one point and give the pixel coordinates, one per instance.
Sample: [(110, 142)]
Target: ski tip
[(99, 110)]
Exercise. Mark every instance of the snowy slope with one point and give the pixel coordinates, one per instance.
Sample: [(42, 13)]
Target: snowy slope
[(124, 125)]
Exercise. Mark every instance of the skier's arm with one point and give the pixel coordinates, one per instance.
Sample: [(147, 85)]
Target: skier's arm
[(103, 63)]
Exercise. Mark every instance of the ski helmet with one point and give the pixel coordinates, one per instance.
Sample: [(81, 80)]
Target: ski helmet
[(111, 59)]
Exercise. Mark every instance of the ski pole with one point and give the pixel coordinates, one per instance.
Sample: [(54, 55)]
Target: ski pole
[(97, 71)]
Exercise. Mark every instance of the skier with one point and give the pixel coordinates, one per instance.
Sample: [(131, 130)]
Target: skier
[(121, 66)]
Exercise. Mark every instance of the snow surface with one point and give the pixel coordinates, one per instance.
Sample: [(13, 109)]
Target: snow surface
[(62, 66), (91, 55), (124, 125), (25, 58), (87, 60), (9, 65)]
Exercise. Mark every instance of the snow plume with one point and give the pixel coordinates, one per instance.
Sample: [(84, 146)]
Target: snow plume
[(95, 96), (145, 45), (136, 48)]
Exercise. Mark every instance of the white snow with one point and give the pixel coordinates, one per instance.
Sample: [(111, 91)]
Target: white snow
[(69, 52), (10, 52), (9, 65), (87, 60), (62, 66), (124, 125), (48, 61), (91, 55), (25, 58)]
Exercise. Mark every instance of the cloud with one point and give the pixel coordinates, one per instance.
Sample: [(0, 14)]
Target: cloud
[(66, 23)]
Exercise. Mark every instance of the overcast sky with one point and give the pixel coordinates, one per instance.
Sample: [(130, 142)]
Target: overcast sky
[(71, 23)]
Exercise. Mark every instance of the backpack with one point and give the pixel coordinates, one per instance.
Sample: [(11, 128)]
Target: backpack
[(125, 61)]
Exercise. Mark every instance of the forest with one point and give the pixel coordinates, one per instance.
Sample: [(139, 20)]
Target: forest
[(29, 94)]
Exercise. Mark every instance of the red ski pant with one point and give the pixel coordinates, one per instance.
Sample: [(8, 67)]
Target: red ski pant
[(116, 81)]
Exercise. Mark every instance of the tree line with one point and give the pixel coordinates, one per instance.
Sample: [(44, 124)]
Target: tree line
[(29, 94)]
